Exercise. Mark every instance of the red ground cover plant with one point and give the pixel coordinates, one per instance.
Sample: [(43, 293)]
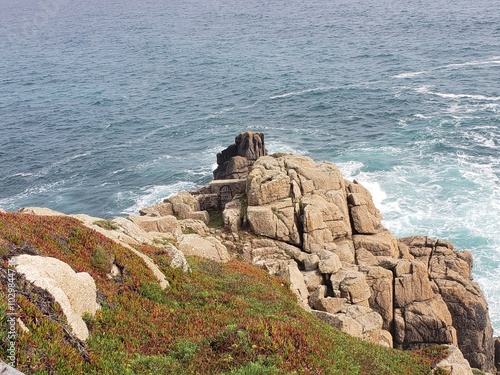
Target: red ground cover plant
[(232, 318)]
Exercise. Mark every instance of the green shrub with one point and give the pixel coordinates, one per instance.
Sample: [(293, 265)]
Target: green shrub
[(106, 224), (153, 292), (441, 371), (216, 220), (101, 259), (156, 364), (253, 368), (184, 351)]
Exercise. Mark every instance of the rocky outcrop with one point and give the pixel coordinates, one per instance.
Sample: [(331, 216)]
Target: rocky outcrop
[(302, 221), (421, 290), (450, 272), (162, 224), (74, 292), (294, 193), (127, 234), (234, 162), (208, 247)]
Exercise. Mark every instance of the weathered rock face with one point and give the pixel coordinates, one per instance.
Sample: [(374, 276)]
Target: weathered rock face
[(451, 272), (420, 289), (208, 247), (234, 161), (300, 194), (366, 218)]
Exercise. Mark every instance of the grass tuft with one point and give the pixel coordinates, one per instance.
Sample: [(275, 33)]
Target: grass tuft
[(216, 220), (106, 224)]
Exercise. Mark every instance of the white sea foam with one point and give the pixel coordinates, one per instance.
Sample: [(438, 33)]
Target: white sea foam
[(155, 194), (489, 62), (426, 90), (12, 201), (46, 170), (20, 174), (300, 92), (465, 96), (486, 141), (321, 89), (350, 168), (410, 74), (421, 116), (456, 199), (276, 146), (493, 61), (150, 163)]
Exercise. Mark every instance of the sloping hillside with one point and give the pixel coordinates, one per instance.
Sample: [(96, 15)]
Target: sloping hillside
[(231, 319)]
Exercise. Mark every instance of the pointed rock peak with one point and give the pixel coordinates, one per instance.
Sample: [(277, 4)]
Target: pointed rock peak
[(234, 162)]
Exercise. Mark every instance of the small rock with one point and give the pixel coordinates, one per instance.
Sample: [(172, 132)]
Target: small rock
[(311, 262), (330, 265), (312, 279)]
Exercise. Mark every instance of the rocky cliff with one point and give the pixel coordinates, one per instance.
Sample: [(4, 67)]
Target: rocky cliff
[(325, 235), (301, 220)]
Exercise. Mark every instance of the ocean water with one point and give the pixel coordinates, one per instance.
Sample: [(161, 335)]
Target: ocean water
[(107, 107)]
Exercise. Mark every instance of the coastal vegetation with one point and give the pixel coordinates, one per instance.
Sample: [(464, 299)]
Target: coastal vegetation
[(229, 318)]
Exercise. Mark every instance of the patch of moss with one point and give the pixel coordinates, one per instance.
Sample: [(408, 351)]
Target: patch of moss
[(153, 292), (244, 205), (216, 220), (441, 371), (188, 231), (106, 224)]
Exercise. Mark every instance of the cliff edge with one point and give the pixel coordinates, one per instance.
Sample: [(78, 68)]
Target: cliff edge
[(294, 217), (325, 235)]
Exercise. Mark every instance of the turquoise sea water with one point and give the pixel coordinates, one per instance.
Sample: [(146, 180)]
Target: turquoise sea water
[(106, 107)]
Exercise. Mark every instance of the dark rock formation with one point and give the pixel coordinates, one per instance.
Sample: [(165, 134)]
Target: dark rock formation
[(234, 162)]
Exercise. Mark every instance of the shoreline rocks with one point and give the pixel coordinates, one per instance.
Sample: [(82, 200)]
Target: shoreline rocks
[(303, 221)]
